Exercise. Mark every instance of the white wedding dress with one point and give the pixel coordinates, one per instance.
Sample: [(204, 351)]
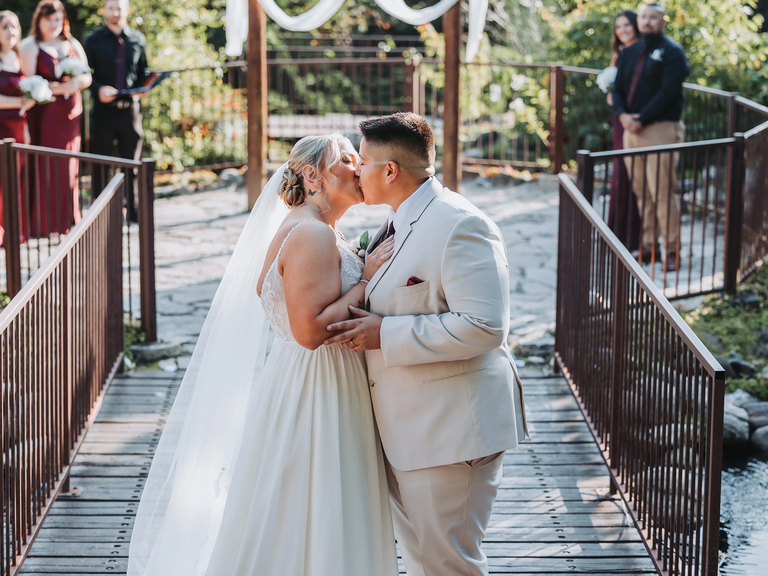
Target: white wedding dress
[(269, 464), (309, 493)]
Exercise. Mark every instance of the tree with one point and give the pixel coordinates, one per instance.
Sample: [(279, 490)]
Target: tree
[(720, 37)]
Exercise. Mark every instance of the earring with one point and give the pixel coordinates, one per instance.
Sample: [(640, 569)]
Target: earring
[(319, 189)]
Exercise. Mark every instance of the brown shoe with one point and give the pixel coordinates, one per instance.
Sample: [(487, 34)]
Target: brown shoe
[(670, 264), (647, 253)]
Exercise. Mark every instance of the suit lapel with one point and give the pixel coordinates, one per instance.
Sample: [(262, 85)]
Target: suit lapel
[(377, 238), (402, 235)]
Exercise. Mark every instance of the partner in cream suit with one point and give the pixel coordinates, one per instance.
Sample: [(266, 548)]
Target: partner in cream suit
[(446, 394)]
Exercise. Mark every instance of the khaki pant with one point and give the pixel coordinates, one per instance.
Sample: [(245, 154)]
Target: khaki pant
[(652, 178), (441, 515)]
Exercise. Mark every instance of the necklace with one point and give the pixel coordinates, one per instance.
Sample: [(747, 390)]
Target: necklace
[(316, 211)]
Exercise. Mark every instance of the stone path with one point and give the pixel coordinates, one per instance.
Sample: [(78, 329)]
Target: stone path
[(196, 235)]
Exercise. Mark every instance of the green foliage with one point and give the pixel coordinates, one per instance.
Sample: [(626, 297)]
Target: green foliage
[(720, 37), (132, 334), (737, 328)]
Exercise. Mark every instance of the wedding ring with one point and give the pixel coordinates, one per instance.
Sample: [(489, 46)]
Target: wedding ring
[(352, 342)]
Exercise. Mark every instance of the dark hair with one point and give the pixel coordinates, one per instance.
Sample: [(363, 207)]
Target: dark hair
[(407, 130), (45, 9), (630, 15)]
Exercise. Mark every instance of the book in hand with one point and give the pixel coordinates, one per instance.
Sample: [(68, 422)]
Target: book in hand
[(153, 80)]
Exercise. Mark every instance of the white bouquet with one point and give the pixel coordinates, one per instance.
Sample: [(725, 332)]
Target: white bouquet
[(70, 67), (606, 78), (36, 88)]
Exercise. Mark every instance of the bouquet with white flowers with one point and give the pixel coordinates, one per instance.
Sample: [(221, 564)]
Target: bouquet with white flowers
[(36, 88), (69, 68), (360, 244), (606, 78)]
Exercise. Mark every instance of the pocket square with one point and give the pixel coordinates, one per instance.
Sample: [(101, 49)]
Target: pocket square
[(413, 280)]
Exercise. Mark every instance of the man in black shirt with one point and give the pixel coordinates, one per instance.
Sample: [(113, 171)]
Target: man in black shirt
[(648, 100), (118, 57)]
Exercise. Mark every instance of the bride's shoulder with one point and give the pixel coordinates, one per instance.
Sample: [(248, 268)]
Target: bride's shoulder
[(308, 236)]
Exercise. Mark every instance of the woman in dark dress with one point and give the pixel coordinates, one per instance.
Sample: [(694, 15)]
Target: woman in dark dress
[(623, 216), (13, 105), (55, 196)]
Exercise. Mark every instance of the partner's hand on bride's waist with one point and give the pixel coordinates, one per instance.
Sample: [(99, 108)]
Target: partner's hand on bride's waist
[(359, 334)]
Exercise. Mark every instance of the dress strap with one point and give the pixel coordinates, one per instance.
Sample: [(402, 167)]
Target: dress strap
[(288, 236)]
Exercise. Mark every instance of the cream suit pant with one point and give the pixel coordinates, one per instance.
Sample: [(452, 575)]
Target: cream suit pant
[(652, 180), (441, 515)]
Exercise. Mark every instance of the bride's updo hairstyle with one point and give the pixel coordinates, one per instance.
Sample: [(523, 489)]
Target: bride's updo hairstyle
[(317, 151)]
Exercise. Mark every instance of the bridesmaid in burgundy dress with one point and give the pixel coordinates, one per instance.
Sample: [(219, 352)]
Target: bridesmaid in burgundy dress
[(55, 196), (13, 105), (623, 215)]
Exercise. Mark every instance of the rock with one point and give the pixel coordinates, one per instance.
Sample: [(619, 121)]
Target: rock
[(535, 345), (168, 365), (148, 353), (712, 343), (741, 366), (761, 349), (763, 337), (735, 425), (760, 438), (739, 398), (729, 371), (748, 300), (758, 414)]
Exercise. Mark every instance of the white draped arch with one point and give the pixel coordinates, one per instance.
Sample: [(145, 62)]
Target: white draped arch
[(315, 17)]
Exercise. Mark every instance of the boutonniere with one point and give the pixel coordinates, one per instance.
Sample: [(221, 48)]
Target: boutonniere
[(360, 244), (657, 54)]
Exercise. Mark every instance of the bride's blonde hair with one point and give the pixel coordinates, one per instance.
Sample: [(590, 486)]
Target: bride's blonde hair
[(319, 152)]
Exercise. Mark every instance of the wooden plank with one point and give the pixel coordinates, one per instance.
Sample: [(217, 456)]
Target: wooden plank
[(108, 471), (550, 459), (57, 535), (501, 520), (554, 471), (81, 565), (563, 533), (112, 460)]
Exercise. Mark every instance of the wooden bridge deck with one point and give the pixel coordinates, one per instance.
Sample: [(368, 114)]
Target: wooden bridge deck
[(553, 514)]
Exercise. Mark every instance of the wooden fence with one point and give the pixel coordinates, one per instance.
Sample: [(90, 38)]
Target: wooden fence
[(61, 341)]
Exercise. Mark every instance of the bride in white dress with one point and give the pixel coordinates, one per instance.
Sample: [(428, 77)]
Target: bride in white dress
[(274, 467)]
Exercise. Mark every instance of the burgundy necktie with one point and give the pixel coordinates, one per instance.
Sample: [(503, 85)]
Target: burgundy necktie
[(120, 73), (390, 230), (636, 74)]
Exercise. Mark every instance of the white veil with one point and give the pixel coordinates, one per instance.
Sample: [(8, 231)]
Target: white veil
[(183, 501)]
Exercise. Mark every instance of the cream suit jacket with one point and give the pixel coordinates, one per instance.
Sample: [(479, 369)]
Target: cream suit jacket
[(444, 385)]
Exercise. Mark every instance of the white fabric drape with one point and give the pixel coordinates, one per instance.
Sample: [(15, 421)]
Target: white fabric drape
[(237, 19)]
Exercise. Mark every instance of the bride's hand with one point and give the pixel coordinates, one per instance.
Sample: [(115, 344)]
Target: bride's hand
[(376, 259)]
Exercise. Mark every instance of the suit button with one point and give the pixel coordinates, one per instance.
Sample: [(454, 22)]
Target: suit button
[(372, 383)]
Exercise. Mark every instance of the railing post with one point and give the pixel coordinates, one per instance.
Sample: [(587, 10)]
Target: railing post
[(713, 474), (451, 122), (585, 177), (147, 249), (9, 175), (734, 213), (68, 385), (733, 115), (258, 109), (619, 304), (556, 126)]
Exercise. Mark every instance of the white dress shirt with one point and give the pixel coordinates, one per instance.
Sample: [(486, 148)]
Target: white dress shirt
[(400, 215)]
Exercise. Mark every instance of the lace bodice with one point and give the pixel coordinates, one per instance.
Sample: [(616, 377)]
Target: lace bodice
[(273, 293)]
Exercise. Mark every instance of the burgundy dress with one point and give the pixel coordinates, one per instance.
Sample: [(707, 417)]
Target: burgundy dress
[(623, 217), (11, 124), (55, 202)]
